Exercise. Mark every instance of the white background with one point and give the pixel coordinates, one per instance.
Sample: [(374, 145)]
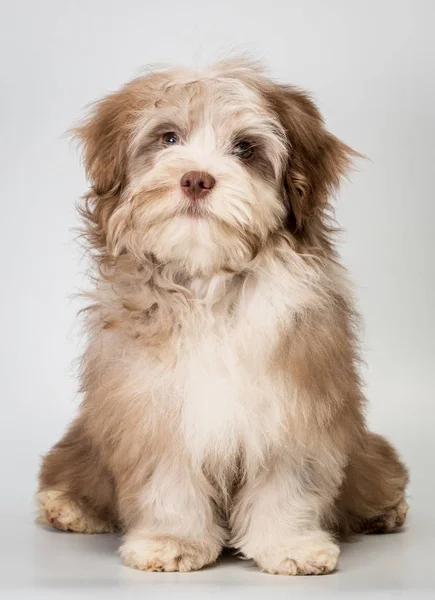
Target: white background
[(370, 65)]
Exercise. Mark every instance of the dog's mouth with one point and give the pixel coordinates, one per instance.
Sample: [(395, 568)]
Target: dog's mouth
[(196, 210)]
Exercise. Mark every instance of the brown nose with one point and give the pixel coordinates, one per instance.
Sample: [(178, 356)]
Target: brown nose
[(196, 184)]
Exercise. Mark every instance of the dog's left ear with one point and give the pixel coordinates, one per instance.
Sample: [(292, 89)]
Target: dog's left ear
[(316, 159)]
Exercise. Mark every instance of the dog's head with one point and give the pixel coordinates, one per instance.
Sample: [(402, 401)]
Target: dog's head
[(202, 169)]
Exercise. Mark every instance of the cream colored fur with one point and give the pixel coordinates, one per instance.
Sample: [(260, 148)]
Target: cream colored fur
[(222, 401)]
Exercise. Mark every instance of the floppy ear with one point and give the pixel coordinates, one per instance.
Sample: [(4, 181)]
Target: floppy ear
[(104, 136), (316, 159)]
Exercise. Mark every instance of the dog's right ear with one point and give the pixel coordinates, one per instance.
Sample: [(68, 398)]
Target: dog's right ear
[(104, 136)]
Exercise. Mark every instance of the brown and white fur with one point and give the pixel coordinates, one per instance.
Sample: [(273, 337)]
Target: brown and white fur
[(222, 401)]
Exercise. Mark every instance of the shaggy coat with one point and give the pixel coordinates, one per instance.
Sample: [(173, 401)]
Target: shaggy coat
[(222, 402)]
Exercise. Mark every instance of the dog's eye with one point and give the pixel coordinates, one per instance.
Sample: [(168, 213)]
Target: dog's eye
[(170, 138), (243, 149)]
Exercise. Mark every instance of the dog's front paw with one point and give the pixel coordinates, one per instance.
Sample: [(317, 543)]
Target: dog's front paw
[(308, 555), (165, 553)]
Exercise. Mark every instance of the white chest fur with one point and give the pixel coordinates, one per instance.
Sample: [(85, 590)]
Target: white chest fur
[(231, 398), (221, 394), (227, 396)]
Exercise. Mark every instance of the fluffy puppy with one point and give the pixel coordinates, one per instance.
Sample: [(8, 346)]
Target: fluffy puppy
[(222, 401)]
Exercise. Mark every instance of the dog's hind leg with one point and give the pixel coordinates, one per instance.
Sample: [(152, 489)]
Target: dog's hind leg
[(373, 496), (75, 490)]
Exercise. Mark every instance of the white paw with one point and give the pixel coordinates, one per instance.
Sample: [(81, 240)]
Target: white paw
[(56, 509), (308, 555), (167, 553)]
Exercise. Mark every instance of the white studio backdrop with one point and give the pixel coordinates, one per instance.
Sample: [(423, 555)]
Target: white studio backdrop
[(371, 67)]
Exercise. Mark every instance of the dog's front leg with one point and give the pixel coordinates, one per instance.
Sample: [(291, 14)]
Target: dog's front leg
[(175, 527), (278, 516)]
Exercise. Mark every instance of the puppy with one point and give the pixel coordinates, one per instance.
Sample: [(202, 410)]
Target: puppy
[(222, 399)]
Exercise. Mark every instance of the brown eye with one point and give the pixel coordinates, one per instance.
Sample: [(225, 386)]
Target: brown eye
[(243, 149), (170, 138)]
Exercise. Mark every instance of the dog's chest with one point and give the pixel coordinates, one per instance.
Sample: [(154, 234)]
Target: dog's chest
[(231, 399)]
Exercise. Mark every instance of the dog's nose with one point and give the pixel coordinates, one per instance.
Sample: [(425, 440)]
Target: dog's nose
[(196, 184)]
